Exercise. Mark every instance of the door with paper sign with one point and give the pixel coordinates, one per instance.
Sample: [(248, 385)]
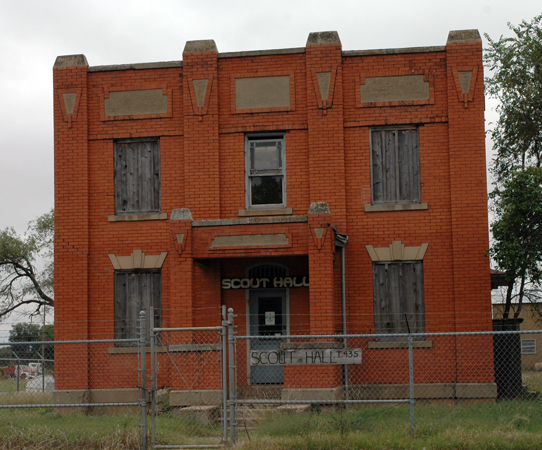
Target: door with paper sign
[(268, 317)]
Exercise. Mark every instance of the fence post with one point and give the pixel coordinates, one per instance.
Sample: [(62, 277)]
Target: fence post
[(411, 381), (143, 398), (233, 383), (224, 368), (153, 376)]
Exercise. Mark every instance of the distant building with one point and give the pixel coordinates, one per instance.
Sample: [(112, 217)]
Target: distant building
[(531, 344), (234, 178)]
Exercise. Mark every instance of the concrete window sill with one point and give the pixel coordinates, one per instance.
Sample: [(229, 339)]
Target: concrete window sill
[(400, 344), (265, 212), (397, 207), (136, 217), (132, 350)]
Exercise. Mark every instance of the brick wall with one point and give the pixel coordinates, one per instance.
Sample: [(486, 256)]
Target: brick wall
[(327, 160)]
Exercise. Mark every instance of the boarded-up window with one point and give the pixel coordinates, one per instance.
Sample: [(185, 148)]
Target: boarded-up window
[(265, 172), (136, 291), (395, 162), (137, 176), (398, 298)]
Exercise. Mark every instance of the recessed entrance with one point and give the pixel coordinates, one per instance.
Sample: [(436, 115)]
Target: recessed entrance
[(268, 316)]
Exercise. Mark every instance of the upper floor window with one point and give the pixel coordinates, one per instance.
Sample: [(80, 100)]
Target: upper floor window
[(265, 169), (137, 176), (395, 165)]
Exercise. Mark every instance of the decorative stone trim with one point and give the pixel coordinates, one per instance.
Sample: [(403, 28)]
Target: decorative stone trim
[(154, 111), (137, 260), (410, 79), (271, 80), (397, 252), (319, 208), (276, 239)]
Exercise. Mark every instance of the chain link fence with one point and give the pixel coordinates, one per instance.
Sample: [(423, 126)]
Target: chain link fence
[(205, 387), (188, 387), (72, 394)]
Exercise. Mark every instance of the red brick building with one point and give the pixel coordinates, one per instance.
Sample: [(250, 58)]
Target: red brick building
[(185, 185)]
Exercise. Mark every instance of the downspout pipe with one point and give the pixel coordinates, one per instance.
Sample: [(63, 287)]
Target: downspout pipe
[(340, 241)]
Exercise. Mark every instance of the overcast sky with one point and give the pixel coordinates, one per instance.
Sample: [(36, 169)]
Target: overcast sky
[(34, 32)]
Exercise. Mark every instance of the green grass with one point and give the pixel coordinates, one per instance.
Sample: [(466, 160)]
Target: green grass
[(495, 426), (47, 428), (10, 385), (533, 381), (501, 425)]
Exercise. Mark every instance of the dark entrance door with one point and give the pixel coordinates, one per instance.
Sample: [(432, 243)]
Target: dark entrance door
[(267, 309)]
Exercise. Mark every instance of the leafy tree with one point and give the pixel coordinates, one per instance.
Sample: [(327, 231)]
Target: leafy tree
[(30, 332), (20, 282), (517, 235), (516, 82)]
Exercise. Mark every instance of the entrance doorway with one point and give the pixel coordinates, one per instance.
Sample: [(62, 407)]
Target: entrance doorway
[(268, 317)]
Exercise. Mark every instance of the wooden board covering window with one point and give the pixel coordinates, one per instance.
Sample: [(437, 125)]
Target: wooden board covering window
[(398, 298), (395, 161), (136, 291), (137, 176)]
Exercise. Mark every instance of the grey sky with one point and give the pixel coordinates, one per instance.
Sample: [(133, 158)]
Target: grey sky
[(34, 32)]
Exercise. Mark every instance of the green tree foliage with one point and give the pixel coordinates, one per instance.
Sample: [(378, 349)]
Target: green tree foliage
[(20, 282), (517, 235), (516, 82), (30, 332), (515, 65)]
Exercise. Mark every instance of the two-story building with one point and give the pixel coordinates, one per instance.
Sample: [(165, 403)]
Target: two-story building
[(310, 189)]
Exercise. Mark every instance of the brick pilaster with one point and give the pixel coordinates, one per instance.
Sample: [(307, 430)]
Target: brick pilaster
[(201, 147), (468, 189), (325, 123), (71, 217)]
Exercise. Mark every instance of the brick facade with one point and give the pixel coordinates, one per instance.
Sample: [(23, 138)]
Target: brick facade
[(324, 102)]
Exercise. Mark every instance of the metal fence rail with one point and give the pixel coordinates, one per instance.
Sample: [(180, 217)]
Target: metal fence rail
[(209, 387), (193, 361)]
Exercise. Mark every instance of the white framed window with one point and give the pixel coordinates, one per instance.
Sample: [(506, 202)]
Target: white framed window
[(265, 171), (528, 347), (395, 165)]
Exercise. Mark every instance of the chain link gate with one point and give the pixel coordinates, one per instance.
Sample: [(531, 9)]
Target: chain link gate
[(189, 386)]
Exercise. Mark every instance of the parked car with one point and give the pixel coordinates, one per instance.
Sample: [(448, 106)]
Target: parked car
[(24, 372)]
